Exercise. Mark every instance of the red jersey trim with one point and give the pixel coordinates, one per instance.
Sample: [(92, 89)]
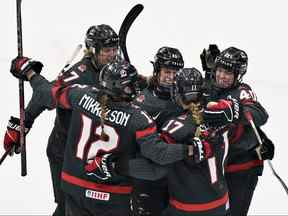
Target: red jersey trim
[(145, 132), (164, 136), (94, 186), (244, 166), (199, 207), (63, 98), (54, 91), (238, 133)]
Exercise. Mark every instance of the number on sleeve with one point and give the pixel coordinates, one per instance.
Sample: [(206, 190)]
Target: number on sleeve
[(247, 95), (69, 77)]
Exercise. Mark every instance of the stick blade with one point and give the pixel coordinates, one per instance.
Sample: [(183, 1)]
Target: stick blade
[(125, 26)]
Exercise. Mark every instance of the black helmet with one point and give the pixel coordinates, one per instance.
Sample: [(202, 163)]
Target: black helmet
[(234, 60), (100, 36), (119, 80), (168, 57), (188, 85)]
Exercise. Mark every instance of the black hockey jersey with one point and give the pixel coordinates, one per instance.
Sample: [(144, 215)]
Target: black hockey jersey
[(242, 139), (129, 128), (196, 189), (83, 72), (160, 109)]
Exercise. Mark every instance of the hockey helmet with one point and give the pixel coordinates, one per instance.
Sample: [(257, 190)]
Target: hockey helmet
[(119, 80)]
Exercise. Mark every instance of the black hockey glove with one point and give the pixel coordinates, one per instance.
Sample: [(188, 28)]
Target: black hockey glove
[(208, 58), (268, 148), (102, 168), (222, 112), (12, 135), (21, 65), (202, 149)]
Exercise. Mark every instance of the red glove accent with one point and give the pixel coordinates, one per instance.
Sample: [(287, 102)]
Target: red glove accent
[(96, 163), (12, 135), (11, 138), (208, 149), (20, 62), (220, 105), (20, 66)]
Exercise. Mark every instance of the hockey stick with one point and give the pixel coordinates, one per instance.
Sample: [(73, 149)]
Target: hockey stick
[(21, 92), (5, 154), (125, 26), (67, 64), (250, 119), (70, 60)]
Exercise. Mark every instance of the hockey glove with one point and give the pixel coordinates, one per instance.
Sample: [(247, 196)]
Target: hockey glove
[(208, 57), (20, 66), (102, 168), (12, 135), (222, 112), (202, 149), (268, 148)]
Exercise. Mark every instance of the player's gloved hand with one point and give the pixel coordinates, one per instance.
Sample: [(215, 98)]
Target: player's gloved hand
[(102, 168), (222, 112), (20, 66), (208, 57), (12, 135), (201, 148), (267, 149)]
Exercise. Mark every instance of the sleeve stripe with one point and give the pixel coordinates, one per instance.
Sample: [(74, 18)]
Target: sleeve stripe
[(55, 91), (60, 95), (63, 98), (145, 132)]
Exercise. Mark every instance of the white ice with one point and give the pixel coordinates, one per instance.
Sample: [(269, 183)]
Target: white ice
[(52, 29)]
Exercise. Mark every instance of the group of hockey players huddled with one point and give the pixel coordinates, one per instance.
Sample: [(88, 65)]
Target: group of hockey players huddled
[(174, 143)]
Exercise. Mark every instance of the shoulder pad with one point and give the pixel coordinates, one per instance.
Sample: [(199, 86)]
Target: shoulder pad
[(244, 86), (246, 93)]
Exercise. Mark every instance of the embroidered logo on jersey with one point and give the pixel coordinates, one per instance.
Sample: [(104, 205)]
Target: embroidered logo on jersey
[(156, 116), (140, 98), (82, 68), (97, 195), (123, 73)]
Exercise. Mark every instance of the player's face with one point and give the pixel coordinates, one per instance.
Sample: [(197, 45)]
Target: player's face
[(107, 54), (224, 78), (167, 76)]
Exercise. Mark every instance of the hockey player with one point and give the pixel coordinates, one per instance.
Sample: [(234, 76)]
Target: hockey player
[(150, 198), (244, 164), (101, 48), (105, 132), (195, 188)]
